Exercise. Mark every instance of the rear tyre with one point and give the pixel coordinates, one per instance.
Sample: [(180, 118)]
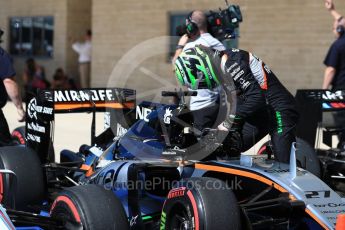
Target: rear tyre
[(200, 203), (18, 135), (30, 188), (306, 156), (89, 207)]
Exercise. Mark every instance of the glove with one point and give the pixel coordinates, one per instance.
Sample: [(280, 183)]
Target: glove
[(233, 143), (234, 123)]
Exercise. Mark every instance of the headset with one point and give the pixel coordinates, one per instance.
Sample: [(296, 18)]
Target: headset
[(1, 33), (340, 30), (191, 27)]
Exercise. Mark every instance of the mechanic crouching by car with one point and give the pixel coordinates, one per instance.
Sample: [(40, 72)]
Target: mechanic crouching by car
[(264, 106)]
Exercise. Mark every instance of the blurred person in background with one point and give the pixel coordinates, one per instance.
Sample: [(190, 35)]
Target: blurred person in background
[(8, 88), (34, 78), (334, 75), (61, 80), (84, 51), (336, 15)]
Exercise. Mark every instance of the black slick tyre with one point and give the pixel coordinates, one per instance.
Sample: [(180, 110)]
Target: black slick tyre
[(89, 207), (200, 204), (30, 188)]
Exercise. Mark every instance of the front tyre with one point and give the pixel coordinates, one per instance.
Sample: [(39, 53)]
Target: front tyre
[(200, 204), (89, 207)]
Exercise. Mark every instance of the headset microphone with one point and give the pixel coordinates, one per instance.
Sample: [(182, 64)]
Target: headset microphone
[(340, 30)]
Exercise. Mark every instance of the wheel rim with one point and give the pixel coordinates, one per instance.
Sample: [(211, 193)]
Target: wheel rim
[(67, 219), (181, 218), (65, 210)]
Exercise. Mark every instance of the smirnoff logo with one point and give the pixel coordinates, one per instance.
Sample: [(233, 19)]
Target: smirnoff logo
[(85, 95)]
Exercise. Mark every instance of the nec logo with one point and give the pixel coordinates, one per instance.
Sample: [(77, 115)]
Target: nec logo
[(142, 112)]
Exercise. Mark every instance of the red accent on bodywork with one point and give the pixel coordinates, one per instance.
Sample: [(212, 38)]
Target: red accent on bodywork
[(1, 188), (340, 225), (338, 105)]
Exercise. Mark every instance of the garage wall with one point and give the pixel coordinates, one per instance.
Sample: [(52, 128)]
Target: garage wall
[(71, 19), (292, 37), (78, 21), (57, 9)]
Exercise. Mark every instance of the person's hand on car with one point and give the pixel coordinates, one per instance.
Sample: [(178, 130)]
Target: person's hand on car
[(233, 143), (221, 127)]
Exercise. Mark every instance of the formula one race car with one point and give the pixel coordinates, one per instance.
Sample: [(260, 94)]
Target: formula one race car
[(152, 177)]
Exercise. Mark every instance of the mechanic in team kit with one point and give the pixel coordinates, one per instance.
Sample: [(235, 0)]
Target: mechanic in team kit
[(205, 105), (264, 105), (334, 75), (8, 87)]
